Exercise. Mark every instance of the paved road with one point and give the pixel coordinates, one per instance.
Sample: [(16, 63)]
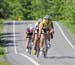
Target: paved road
[(62, 51)]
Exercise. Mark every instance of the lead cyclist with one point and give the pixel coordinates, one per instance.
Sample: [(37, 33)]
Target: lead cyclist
[(48, 25)]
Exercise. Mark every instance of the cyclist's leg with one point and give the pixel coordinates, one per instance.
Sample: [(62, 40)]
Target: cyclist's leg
[(27, 42), (42, 42), (35, 43)]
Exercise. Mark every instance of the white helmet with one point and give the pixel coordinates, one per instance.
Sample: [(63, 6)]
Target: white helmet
[(37, 23), (39, 20), (30, 28), (47, 17)]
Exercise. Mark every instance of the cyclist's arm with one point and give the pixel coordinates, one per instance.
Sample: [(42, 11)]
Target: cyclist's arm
[(52, 25), (51, 28), (40, 27), (33, 34), (25, 34)]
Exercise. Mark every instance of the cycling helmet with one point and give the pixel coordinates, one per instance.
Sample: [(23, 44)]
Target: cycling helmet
[(39, 20), (27, 30), (36, 26), (47, 17), (30, 28), (37, 23)]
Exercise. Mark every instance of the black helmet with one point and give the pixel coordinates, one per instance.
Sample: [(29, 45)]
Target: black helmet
[(47, 17)]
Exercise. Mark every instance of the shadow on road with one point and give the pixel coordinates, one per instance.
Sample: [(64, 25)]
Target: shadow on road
[(5, 39), (1, 34), (61, 57), (11, 23), (18, 23)]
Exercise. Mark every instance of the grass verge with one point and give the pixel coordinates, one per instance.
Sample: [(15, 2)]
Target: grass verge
[(2, 52), (2, 48), (4, 63), (70, 25)]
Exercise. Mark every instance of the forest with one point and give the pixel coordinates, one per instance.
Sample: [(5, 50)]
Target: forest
[(34, 9)]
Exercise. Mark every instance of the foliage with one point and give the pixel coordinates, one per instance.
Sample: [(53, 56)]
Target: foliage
[(33, 9), (4, 63)]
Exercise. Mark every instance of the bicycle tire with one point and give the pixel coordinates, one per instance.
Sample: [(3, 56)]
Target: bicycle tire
[(38, 48), (30, 47), (45, 49)]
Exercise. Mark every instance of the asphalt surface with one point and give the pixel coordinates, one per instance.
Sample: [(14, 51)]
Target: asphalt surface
[(62, 51)]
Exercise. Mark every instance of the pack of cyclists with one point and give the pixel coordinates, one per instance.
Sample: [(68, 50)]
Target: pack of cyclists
[(38, 30)]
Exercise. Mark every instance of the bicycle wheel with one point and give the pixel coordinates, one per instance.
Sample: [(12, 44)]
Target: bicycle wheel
[(38, 48), (30, 46), (45, 49)]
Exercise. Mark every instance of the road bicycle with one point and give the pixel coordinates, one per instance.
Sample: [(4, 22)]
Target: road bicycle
[(30, 44), (45, 47)]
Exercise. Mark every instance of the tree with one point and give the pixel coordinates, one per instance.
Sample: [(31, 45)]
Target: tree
[(3, 9)]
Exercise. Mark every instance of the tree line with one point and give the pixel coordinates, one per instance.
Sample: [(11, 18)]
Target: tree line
[(33, 9)]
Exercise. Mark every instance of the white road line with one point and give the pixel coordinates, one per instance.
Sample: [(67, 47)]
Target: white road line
[(14, 37), (65, 36), (29, 58), (32, 60)]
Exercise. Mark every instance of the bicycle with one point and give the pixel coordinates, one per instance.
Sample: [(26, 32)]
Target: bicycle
[(38, 47), (30, 44), (45, 48)]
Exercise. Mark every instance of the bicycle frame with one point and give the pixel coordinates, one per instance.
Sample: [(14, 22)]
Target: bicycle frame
[(30, 44), (45, 48)]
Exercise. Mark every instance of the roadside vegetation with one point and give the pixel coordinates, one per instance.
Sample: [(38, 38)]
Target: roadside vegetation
[(2, 47), (71, 26), (33, 9), (4, 63)]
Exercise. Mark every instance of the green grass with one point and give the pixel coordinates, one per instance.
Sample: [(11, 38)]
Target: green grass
[(70, 25), (4, 63), (2, 52), (2, 48), (1, 25)]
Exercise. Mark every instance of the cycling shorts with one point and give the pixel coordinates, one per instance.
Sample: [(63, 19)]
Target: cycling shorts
[(45, 31), (29, 35)]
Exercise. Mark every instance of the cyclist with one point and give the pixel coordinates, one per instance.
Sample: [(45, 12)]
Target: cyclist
[(29, 32), (44, 26), (35, 33)]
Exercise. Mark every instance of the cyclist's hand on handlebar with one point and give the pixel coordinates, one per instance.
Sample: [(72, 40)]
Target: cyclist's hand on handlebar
[(52, 31)]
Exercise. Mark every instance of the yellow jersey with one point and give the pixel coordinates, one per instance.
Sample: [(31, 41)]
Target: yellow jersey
[(46, 25)]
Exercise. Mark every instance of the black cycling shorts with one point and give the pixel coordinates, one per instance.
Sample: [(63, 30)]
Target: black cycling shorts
[(29, 35)]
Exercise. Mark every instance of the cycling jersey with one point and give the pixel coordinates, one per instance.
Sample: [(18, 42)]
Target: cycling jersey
[(36, 27), (46, 25)]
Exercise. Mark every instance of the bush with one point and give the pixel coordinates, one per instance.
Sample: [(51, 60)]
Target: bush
[(4, 63), (1, 24), (2, 51)]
